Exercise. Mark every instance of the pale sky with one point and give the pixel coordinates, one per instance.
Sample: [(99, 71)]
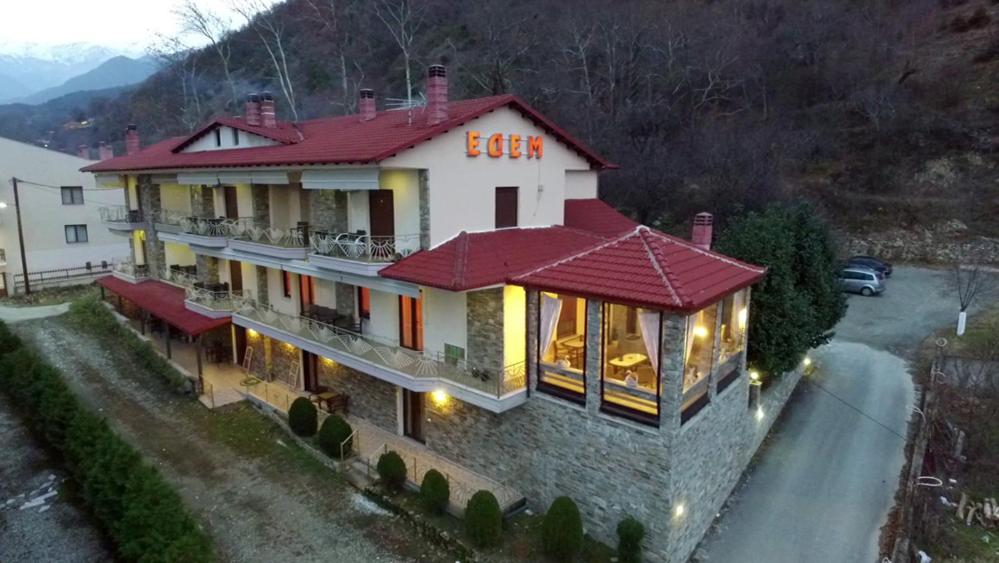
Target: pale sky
[(123, 24)]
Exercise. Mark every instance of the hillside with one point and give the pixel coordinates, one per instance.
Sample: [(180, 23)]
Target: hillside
[(885, 114), (114, 72)]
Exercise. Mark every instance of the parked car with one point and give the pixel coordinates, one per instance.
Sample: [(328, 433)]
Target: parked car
[(870, 262), (864, 281)]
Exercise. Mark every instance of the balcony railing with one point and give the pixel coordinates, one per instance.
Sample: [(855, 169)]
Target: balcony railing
[(120, 214), (182, 278), (386, 354), (352, 246), (216, 227), (130, 270), (295, 237), (222, 301), (170, 217)]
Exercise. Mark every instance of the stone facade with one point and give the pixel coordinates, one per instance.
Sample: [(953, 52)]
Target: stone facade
[(328, 210), (262, 296), (202, 201), (261, 205), (485, 330), (208, 268), (424, 179), (371, 399), (346, 294), (149, 201)]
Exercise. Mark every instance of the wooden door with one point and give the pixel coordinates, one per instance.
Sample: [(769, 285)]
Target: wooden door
[(310, 368), (235, 275), (410, 323), (240, 337), (231, 207), (381, 213), (306, 292), (506, 207), (412, 412)]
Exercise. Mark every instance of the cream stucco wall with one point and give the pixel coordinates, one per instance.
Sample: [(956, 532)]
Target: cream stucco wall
[(462, 188), (405, 186), (275, 292), (444, 320), (244, 199), (207, 142), (43, 215), (175, 197), (384, 321), (581, 184), (178, 254)]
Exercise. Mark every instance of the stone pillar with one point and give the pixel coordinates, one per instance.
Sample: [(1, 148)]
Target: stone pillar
[(743, 366), (346, 295), (594, 323), (208, 268), (149, 200), (671, 353), (328, 210), (205, 206), (715, 349), (424, 179), (484, 310), (262, 297), (261, 205), (533, 302)]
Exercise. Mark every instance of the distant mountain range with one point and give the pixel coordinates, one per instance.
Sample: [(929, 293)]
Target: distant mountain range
[(34, 74)]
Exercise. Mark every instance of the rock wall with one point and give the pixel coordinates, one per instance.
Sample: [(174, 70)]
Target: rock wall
[(371, 399), (946, 243)]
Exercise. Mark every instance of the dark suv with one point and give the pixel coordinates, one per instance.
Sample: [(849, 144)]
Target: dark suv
[(879, 266)]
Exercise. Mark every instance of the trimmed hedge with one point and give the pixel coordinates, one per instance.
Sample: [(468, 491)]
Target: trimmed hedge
[(630, 533), (435, 492), (333, 433), (483, 519), (562, 530), (91, 315), (143, 516), (392, 471), (303, 418)]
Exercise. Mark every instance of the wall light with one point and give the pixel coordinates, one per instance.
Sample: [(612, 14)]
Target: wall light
[(679, 511), (759, 413), (807, 361), (327, 361), (252, 333), (754, 375), (700, 331), (439, 397)]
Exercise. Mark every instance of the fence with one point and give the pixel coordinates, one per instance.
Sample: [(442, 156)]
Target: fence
[(63, 276)]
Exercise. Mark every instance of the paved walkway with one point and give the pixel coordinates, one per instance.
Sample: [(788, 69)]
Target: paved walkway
[(16, 314)]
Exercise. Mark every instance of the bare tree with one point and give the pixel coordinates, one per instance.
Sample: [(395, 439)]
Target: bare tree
[(338, 19), (970, 282), (403, 19), (269, 28), (183, 61), (215, 29)]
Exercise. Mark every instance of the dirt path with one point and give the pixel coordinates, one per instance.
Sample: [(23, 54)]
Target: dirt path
[(261, 497)]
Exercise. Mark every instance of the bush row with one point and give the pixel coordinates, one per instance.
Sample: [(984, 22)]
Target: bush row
[(91, 315), (141, 513)]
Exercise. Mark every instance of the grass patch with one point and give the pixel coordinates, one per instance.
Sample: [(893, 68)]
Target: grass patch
[(52, 296)]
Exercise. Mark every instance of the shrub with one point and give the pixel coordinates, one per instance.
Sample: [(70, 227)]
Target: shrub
[(392, 470), (302, 417), (562, 530), (630, 533), (483, 519), (335, 431), (435, 491), (979, 19), (959, 24)]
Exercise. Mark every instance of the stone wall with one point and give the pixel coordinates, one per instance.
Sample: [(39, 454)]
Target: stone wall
[(208, 268), (328, 210), (202, 201), (485, 329), (945, 243), (370, 398), (346, 294), (149, 201), (262, 296), (261, 197)]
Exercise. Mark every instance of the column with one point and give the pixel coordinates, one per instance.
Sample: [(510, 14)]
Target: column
[(594, 324)]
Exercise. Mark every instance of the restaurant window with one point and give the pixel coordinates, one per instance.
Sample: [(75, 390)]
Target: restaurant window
[(72, 195), (411, 322), (699, 357), (562, 346), (76, 233), (364, 302), (732, 336), (630, 382)]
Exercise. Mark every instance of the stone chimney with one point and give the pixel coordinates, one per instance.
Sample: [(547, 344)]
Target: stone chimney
[(267, 115), (366, 104), (131, 139), (701, 235), (104, 150), (83, 151), (436, 94), (252, 112)]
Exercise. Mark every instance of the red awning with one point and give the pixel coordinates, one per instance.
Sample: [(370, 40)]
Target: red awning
[(165, 302)]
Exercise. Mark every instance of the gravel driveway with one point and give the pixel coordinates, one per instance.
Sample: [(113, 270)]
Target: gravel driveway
[(261, 498), (825, 481)]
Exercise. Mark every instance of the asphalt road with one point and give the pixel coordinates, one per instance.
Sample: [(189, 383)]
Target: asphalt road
[(826, 478)]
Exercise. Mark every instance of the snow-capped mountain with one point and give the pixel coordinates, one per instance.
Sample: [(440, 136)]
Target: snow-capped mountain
[(27, 68)]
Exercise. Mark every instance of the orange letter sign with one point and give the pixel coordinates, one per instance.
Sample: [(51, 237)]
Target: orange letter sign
[(495, 145), (535, 147), (514, 146), (472, 143)]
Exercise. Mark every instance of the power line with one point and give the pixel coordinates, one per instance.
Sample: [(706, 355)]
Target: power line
[(860, 412)]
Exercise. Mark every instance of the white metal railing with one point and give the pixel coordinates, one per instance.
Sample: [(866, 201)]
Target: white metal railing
[(420, 365), (180, 277), (131, 269), (216, 227), (295, 237), (215, 300), (120, 214), (170, 217), (364, 247)]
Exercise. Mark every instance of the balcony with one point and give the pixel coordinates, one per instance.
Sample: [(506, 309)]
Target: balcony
[(168, 220), (130, 271), (496, 391), (121, 218), (213, 302), (210, 232), (359, 253), (284, 244)]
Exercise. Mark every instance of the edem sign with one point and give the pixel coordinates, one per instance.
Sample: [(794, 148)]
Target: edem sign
[(496, 146)]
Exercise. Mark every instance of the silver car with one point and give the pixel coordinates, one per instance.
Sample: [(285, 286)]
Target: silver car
[(864, 281)]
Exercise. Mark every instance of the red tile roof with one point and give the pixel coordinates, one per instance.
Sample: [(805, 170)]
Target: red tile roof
[(647, 268), (335, 140), (165, 302), (285, 132), (596, 216)]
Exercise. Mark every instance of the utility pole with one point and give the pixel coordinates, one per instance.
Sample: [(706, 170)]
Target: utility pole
[(20, 239)]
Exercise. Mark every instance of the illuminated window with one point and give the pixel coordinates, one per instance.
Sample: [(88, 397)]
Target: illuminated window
[(630, 376), (562, 346), (699, 359), (411, 322), (364, 302), (732, 336)]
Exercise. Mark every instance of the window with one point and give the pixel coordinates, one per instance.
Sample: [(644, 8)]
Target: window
[(76, 233), (732, 337), (630, 376), (218, 137), (506, 207), (699, 359), (72, 195), (562, 346), (286, 283), (410, 322), (364, 302), (453, 355), (235, 137)]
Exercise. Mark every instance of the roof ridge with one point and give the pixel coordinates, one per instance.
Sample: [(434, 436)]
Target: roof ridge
[(640, 230), (579, 254), (711, 253), (461, 260)]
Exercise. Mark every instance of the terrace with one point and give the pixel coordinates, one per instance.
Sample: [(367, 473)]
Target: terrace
[(122, 218)]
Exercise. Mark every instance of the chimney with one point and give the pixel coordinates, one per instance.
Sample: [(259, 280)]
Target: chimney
[(267, 117), (701, 235), (83, 151), (436, 94), (252, 112), (104, 150), (366, 104), (131, 139)]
